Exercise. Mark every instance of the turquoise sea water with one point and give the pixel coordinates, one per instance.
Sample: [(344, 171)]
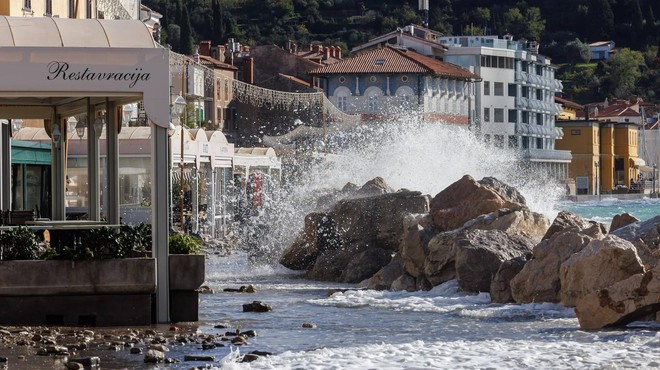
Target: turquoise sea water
[(605, 209)]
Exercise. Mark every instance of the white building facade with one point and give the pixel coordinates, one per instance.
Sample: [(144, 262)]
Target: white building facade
[(515, 102)]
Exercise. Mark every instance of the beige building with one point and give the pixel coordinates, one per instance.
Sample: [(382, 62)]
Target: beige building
[(49, 8)]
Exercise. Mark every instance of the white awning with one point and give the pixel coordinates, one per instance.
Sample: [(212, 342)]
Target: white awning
[(638, 162), (61, 65)]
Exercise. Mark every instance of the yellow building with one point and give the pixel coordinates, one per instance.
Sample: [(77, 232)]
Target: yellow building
[(49, 8), (569, 109), (605, 155)]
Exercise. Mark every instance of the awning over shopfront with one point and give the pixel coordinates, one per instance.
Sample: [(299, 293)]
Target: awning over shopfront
[(56, 68), (638, 162), (30, 152)]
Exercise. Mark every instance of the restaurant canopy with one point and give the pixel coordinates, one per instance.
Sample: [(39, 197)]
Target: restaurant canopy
[(56, 68)]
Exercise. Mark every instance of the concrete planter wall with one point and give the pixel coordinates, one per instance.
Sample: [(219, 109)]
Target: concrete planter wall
[(100, 292), (187, 273), (96, 293)]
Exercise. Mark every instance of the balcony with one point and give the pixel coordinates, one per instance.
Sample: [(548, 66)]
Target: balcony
[(547, 155)]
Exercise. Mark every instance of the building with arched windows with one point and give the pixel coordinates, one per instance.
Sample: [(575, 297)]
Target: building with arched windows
[(389, 81)]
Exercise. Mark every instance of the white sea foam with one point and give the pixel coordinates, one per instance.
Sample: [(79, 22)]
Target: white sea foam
[(462, 354)]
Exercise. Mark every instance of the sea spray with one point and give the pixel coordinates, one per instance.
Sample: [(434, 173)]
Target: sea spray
[(407, 154)]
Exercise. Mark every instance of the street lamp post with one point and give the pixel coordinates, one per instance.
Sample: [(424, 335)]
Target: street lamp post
[(654, 193), (179, 107), (596, 190)]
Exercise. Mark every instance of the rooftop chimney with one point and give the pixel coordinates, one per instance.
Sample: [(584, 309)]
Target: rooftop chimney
[(248, 70), (205, 48), (326, 53)]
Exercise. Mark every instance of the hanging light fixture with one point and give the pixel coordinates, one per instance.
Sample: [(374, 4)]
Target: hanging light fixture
[(56, 134), (81, 126), (98, 125), (171, 129)]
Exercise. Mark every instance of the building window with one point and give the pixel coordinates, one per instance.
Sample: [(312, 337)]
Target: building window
[(373, 102), (539, 143), (27, 4), (373, 79), (499, 89), (498, 141), (88, 7), (487, 139), (342, 79), (513, 90), (539, 118), (576, 132), (539, 94), (486, 87), (539, 70), (525, 142), (513, 116), (342, 99), (525, 117), (404, 78), (525, 92), (72, 8), (499, 115), (513, 141), (486, 114)]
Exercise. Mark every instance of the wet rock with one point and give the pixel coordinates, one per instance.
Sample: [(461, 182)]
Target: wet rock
[(136, 351), (239, 340), (87, 361), (621, 303), (205, 289), (566, 220), (539, 279), (621, 220), (256, 306), (221, 326), (154, 356), (466, 199), (57, 350), (600, 264), (72, 365), (249, 357), (199, 358), (249, 333), (645, 236), (383, 279), (417, 232), (309, 325), (365, 264), (500, 287)]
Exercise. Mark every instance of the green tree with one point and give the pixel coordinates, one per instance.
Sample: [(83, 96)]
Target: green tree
[(577, 52), (186, 43), (600, 23), (441, 16), (624, 70)]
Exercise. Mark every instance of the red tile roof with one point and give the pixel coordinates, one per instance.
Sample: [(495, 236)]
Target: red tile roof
[(208, 61), (391, 60), (568, 103), (618, 111)]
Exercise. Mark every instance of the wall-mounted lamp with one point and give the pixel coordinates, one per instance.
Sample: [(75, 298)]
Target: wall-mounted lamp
[(98, 125), (127, 112), (81, 126), (56, 134), (16, 125)]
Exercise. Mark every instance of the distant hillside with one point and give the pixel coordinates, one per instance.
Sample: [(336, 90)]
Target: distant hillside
[(563, 27)]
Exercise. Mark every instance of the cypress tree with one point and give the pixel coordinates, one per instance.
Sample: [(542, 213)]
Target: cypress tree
[(186, 46)]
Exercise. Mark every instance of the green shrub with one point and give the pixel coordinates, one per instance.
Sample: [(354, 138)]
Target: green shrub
[(184, 244), (19, 243)]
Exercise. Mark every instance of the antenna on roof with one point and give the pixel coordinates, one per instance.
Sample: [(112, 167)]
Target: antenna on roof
[(424, 7)]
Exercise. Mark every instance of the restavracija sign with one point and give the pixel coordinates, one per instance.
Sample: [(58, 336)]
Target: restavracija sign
[(61, 70)]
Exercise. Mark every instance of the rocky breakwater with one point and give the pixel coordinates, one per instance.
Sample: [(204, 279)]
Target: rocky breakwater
[(482, 234)]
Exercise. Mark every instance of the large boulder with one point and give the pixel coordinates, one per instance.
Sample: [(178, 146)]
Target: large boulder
[(440, 263), (480, 253), (383, 279), (500, 286), (520, 221), (645, 236), (539, 281), (417, 232), (568, 220), (365, 264), (621, 303), (318, 235), (467, 199), (624, 219), (600, 264)]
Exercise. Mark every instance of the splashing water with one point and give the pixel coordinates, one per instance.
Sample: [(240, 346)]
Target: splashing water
[(426, 157)]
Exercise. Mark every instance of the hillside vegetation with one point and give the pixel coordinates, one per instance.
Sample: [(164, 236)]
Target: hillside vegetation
[(563, 27)]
